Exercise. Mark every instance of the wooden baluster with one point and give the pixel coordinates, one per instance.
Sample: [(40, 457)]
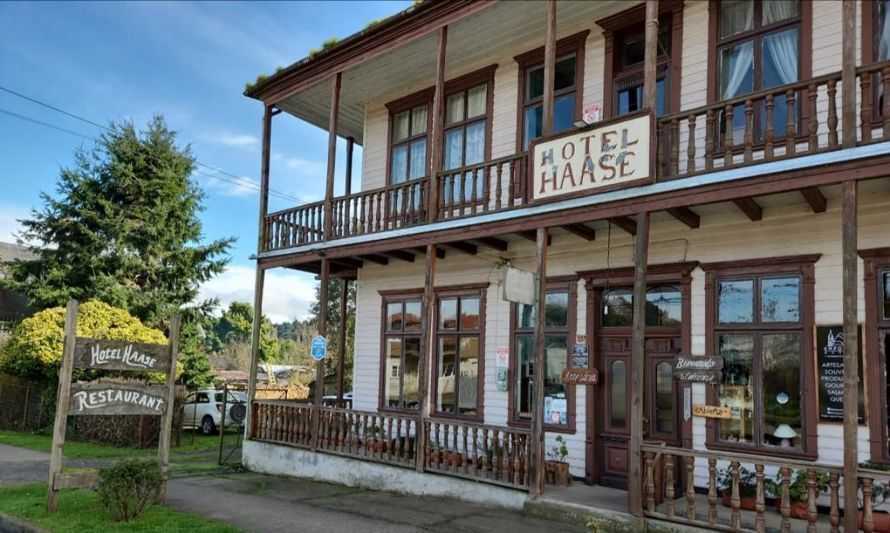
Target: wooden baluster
[(497, 456), (439, 448), (812, 513), (791, 125), (298, 230), (486, 188), (474, 197), (517, 459), (442, 184), (735, 500), (465, 451), (486, 461), (727, 135), (813, 119), (402, 193), (498, 186), (832, 113), (759, 502), (509, 451), (675, 147), (669, 484), (770, 132), (462, 199), (712, 491), (866, 112), (868, 521), (289, 432), (690, 487), (389, 444), (885, 112), (398, 442), (690, 146), (660, 146), (749, 131), (710, 136), (649, 492), (475, 455), (511, 186), (785, 505), (261, 421), (834, 515)]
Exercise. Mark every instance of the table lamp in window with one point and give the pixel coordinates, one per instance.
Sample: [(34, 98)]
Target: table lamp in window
[(785, 433)]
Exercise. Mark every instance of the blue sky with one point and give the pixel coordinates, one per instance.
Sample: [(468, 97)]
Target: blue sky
[(189, 62)]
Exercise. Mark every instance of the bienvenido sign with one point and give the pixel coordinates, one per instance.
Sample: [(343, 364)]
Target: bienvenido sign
[(612, 155), (698, 368), (121, 355), (100, 399)]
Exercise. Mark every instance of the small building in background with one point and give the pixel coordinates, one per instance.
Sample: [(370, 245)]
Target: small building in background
[(13, 306)]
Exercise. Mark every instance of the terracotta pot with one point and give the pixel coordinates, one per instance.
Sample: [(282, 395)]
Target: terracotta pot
[(748, 503), (799, 510), (881, 520)]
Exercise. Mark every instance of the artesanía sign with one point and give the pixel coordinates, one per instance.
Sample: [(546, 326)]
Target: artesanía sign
[(580, 376), (121, 355), (698, 368), (612, 155), (711, 411), (100, 399), (830, 373)]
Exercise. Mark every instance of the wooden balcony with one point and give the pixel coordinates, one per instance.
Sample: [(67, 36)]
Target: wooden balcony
[(794, 120)]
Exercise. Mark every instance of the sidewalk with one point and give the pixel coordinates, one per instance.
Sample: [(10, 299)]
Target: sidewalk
[(256, 502)]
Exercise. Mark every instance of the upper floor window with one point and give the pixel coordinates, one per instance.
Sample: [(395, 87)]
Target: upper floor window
[(881, 17), (628, 56), (401, 351), (466, 130), (409, 125), (458, 387)]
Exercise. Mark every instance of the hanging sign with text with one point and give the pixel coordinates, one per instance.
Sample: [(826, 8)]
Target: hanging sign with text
[(830, 373), (121, 355), (612, 155), (110, 399), (711, 411), (698, 368), (580, 376)]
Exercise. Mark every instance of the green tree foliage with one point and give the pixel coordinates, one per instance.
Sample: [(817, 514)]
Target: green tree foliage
[(333, 333), (235, 326), (34, 349)]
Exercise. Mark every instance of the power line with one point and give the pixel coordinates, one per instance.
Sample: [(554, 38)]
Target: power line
[(238, 179)]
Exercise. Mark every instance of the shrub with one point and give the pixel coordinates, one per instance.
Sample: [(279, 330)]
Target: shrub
[(128, 487)]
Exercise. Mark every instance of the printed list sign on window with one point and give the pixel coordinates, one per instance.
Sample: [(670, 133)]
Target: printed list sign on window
[(610, 156)]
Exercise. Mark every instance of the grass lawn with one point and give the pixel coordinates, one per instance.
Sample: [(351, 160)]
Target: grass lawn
[(83, 450), (79, 510)]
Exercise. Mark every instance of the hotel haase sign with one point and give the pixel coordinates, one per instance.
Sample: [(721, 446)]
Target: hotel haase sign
[(612, 155)]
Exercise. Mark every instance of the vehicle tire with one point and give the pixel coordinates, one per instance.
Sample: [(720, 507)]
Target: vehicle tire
[(237, 413), (207, 425)]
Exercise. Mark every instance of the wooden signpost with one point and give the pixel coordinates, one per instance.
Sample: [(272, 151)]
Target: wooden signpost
[(108, 398)]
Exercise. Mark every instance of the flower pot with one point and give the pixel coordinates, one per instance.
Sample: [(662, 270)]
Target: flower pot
[(557, 473), (747, 503), (881, 520), (799, 510)]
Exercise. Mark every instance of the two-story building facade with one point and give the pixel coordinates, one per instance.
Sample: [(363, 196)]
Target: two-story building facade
[(643, 227)]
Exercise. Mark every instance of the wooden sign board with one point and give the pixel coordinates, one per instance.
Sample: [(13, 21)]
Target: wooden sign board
[(698, 368), (711, 411), (580, 376), (110, 399), (121, 355)]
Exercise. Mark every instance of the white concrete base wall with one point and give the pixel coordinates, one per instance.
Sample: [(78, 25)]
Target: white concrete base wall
[(283, 460)]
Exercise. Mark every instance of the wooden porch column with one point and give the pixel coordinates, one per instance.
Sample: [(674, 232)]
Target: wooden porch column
[(322, 331), (850, 274), (260, 272), (341, 339), (428, 305), (350, 148), (637, 363), (438, 119), (332, 156), (549, 69), (650, 55), (536, 447)]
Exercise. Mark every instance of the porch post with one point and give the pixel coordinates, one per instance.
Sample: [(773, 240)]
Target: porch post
[(350, 148), (650, 55), (637, 360), (332, 156), (428, 305), (850, 274), (260, 272), (549, 69), (322, 331), (341, 338), (436, 133), (536, 447)]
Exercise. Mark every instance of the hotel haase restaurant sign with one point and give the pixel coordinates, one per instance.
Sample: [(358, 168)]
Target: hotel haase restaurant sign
[(612, 155), (111, 398)]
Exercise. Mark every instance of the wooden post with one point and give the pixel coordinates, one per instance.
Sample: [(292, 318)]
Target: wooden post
[(222, 423), (549, 68), (426, 354), (322, 331), (637, 363), (167, 417), (64, 391), (350, 148), (536, 447), (850, 274), (341, 338), (332, 156), (650, 56), (438, 119)]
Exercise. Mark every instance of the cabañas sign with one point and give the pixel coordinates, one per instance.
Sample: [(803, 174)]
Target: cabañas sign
[(613, 155)]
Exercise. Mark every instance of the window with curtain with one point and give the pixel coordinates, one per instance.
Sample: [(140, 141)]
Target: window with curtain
[(558, 316), (759, 332), (564, 97), (881, 30), (459, 354), (464, 139), (401, 352), (408, 152), (758, 47), (627, 58)]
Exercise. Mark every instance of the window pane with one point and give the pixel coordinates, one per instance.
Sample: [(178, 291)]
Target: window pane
[(618, 395), (563, 113), (454, 148), (663, 307), (556, 350), (394, 316), (882, 32), (664, 398), (735, 302), (469, 373), (886, 294), (393, 371), (736, 16), (532, 124), (780, 53), (477, 98), (400, 126), (618, 308), (448, 313), (737, 389), (534, 83), (736, 70), (780, 300), (781, 389), (525, 316), (446, 376), (418, 159), (399, 163), (524, 375), (412, 316), (412, 360), (565, 72), (418, 120), (556, 309), (469, 314), (630, 99), (634, 50), (454, 108), (778, 10), (475, 145)]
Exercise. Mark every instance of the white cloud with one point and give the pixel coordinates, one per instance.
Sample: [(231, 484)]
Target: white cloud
[(10, 214), (227, 186), (287, 294), (238, 140)]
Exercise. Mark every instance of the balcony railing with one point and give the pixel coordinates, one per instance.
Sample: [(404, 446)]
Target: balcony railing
[(800, 118)]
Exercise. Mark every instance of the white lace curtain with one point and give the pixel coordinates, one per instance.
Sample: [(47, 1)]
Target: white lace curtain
[(782, 47)]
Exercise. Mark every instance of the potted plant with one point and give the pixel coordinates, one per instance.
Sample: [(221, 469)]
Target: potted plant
[(798, 491), (880, 491), (556, 468), (747, 488)]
